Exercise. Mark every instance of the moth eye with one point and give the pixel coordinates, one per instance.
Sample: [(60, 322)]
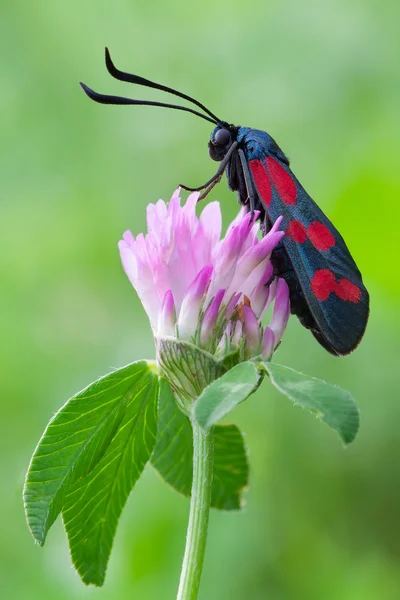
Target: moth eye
[(222, 137)]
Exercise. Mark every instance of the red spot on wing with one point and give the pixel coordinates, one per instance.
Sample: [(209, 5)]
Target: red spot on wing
[(283, 182), (320, 236), (347, 290), (262, 181), (324, 282), (296, 231)]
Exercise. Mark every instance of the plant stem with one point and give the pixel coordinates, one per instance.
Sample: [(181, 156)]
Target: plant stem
[(196, 537)]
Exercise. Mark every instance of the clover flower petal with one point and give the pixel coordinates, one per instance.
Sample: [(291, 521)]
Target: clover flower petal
[(204, 289)]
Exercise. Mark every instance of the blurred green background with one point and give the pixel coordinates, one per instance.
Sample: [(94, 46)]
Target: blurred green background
[(320, 522)]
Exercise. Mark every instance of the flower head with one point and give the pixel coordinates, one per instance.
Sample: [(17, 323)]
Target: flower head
[(202, 289)]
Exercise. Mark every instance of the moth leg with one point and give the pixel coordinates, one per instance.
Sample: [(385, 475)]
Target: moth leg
[(208, 185), (266, 226), (208, 190), (249, 183)]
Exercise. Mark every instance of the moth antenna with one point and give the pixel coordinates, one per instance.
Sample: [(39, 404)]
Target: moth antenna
[(136, 79), (106, 99)]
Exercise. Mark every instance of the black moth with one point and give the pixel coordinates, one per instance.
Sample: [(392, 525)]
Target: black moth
[(326, 289)]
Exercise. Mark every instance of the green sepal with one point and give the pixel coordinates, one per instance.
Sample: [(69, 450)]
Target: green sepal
[(187, 368), (173, 455), (330, 403)]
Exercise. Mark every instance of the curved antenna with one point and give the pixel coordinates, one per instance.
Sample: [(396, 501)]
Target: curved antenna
[(105, 99), (129, 78)]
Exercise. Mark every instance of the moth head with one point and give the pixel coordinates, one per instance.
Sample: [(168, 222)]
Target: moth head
[(221, 139)]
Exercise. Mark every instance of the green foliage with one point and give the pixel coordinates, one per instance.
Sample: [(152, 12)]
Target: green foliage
[(231, 468), (94, 450), (220, 397), (321, 78), (331, 404), (89, 458), (173, 454)]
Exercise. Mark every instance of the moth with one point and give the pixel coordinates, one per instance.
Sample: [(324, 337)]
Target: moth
[(326, 289)]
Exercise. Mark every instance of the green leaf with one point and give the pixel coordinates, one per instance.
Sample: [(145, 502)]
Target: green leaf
[(173, 452), (226, 392), (173, 455), (231, 468), (330, 403), (88, 460)]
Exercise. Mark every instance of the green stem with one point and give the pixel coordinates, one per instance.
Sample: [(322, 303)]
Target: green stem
[(196, 537)]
